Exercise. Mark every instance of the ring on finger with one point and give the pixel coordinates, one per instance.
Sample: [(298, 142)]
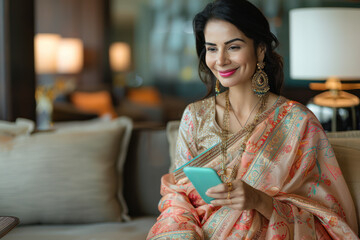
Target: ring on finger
[(228, 195), (230, 187)]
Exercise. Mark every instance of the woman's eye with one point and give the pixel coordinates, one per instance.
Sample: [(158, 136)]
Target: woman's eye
[(211, 49), (234, 47)]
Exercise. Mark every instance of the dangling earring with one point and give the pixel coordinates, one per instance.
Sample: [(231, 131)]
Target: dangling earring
[(217, 87), (260, 81)]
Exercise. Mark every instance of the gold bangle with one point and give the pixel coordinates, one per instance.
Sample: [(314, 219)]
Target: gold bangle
[(230, 187)]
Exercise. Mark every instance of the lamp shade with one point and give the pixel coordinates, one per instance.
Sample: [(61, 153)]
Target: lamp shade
[(325, 43), (120, 56), (70, 56), (46, 47)]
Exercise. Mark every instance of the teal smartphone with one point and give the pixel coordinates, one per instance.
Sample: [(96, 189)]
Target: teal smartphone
[(202, 179)]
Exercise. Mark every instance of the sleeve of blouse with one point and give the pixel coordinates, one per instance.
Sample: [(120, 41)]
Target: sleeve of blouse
[(186, 148)]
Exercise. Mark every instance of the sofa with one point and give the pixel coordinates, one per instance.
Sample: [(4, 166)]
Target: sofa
[(149, 154), (346, 146), (95, 179)]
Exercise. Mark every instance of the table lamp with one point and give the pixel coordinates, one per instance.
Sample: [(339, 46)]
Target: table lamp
[(120, 56), (45, 50), (57, 60), (70, 57), (120, 61), (70, 61), (325, 45)]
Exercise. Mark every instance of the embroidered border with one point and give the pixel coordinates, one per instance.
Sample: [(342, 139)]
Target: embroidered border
[(217, 221), (177, 235), (260, 164)]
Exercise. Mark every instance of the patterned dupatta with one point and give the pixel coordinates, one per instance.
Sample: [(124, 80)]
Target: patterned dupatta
[(289, 158), (214, 152)]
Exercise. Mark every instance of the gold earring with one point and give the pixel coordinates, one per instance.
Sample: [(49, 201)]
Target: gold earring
[(217, 87), (260, 81)]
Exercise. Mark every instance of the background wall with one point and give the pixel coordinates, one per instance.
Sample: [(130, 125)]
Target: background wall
[(164, 47), (84, 19), (158, 31)]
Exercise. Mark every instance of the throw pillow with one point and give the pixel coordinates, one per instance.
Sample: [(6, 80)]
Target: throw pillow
[(346, 146), (71, 175)]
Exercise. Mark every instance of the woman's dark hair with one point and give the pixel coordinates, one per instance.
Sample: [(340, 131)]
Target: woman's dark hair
[(248, 19)]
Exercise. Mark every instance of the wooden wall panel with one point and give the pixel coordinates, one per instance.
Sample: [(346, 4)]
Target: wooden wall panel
[(84, 19), (17, 79), (4, 59), (20, 20)]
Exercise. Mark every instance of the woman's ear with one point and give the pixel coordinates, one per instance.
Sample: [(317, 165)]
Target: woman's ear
[(261, 49)]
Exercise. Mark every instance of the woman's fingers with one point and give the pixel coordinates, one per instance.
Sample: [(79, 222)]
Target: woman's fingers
[(217, 189), (223, 195), (240, 197), (223, 202), (225, 187)]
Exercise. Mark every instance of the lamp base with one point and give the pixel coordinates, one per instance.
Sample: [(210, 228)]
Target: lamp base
[(336, 99)]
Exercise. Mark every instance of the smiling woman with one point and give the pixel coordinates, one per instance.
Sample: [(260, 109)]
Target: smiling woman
[(280, 177), (230, 55), (237, 32)]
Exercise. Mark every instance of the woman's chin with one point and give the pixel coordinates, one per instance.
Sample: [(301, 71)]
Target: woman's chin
[(229, 83)]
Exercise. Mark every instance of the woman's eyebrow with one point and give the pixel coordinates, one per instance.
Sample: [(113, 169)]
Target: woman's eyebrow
[(227, 42), (233, 40)]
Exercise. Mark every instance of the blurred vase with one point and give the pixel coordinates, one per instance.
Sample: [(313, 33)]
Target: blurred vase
[(44, 108)]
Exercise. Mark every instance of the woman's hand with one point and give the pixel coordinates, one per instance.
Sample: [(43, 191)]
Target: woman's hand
[(241, 197)]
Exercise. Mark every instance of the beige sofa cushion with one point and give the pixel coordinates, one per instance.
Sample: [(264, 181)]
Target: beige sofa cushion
[(136, 229), (346, 146), (71, 175)]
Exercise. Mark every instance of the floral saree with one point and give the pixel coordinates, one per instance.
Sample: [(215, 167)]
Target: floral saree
[(288, 157)]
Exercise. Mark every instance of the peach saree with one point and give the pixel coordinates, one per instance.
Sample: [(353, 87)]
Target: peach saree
[(288, 156)]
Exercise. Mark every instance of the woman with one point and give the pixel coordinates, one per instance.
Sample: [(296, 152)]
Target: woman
[(281, 178)]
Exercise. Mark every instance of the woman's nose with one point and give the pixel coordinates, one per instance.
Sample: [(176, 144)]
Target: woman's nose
[(222, 58)]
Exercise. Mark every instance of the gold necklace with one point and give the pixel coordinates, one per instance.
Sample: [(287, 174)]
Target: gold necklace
[(225, 132), (237, 119), (224, 135)]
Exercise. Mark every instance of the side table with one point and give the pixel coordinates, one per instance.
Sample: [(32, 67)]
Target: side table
[(336, 118), (7, 224)]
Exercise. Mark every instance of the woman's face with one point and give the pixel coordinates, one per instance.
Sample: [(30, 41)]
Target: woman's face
[(230, 55)]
